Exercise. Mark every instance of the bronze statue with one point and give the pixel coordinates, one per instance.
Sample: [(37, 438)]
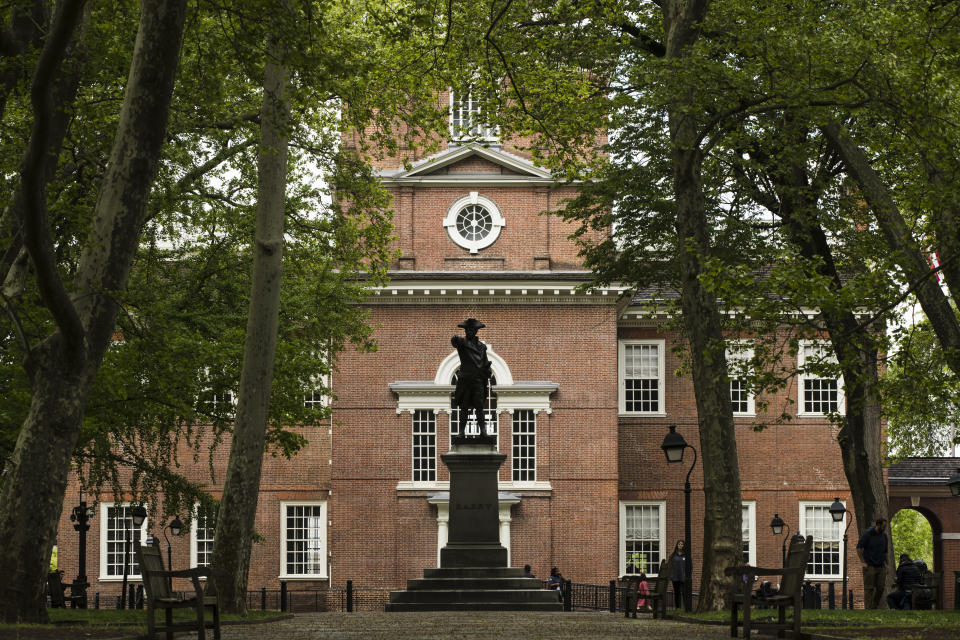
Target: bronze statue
[(473, 377)]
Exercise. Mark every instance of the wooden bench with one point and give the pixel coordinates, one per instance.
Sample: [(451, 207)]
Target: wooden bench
[(790, 594), (59, 599), (159, 595), (926, 594), (658, 591)]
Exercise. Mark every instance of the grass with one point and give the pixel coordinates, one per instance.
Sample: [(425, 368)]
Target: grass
[(126, 618), (853, 617)]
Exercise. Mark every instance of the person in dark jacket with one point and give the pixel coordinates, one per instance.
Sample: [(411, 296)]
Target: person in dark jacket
[(872, 549), (908, 574), (678, 572)]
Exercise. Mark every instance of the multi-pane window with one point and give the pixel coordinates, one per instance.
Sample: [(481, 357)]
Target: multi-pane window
[(315, 398), (818, 395), (738, 359), (204, 526), (641, 537), (489, 414), (747, 532), (116, 527), (304, 548), (217, 401), (424, 446), (466, 121), (816, 521), (524, 453), (641, 376)]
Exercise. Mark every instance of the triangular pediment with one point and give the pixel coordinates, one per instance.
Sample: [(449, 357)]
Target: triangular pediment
[(466, 163)]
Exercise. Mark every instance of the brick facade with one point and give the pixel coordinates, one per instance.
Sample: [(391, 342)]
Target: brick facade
[(383, 528)]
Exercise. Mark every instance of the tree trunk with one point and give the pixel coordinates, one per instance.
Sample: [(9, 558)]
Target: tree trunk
[(32, 495), (906, 251), (238, 506), (702, 324)]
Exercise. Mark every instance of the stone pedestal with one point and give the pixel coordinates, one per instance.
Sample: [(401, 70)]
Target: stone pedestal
[(473, 573), (474, 534)]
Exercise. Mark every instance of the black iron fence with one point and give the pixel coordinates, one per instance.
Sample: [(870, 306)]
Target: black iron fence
[(577, 596)]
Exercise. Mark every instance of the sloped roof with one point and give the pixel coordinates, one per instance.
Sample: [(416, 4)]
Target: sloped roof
[(923, 471), (522, 171)]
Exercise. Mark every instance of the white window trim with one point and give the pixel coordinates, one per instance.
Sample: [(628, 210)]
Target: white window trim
[(323, 541), (491, 134), (535, 439), (801, 377), (497, 220), (739, 351), (323, 380), (621, 380), (103, 508), (622, 533), (193, 538), (751, 506), (436, 447), (803, 531)]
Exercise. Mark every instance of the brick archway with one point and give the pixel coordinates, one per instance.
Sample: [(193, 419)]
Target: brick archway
[(920, 484)]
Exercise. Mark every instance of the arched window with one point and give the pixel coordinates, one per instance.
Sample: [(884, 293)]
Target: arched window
[(489, 413)]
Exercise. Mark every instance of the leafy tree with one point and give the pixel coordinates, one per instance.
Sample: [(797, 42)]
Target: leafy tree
[(921, 396), (62, 366), (911, 534)]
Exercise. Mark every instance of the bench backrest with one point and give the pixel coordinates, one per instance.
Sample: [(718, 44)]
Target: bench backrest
[(151, 562), (660, 583), (797, 557), (56, 590)]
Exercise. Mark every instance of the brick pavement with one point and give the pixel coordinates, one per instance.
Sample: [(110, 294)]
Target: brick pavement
[(468, 626)]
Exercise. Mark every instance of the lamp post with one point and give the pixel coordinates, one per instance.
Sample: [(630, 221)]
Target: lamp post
[(838, 512), (137, 515), (673, 447), (81, 516), (175, 526), (777, 525)]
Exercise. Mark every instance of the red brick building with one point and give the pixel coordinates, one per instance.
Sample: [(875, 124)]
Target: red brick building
[(584, 391)]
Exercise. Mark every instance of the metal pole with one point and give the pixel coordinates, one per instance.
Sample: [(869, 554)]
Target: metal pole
[(169, 559), (688, 583), (349, 596), (844, 601), (82, 527)]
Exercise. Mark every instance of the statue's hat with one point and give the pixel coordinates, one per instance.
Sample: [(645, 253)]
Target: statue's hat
[(471, 323)]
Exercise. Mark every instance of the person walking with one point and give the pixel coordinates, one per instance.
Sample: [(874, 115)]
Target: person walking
[(678, 573), (872, 550)]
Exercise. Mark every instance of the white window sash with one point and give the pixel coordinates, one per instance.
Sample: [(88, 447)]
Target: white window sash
[(623, 347), (104, 509), (323, 540), (803, 377), (835, 537), (661, 506)]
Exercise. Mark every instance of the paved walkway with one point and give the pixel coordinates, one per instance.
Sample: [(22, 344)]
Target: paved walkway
[(469, 626)]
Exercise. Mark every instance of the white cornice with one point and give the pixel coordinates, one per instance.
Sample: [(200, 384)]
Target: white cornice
[(491, 292)]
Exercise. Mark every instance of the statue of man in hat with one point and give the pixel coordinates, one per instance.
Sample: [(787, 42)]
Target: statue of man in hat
[(471, 391)]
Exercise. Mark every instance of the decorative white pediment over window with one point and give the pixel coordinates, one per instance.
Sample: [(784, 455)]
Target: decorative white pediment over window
[(511, 395)]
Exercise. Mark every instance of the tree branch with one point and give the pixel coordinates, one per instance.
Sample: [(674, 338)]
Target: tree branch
[(36, 227)]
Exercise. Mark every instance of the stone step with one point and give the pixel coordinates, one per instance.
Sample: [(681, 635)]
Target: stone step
[(473, 583), (473, 572), (397, 607), (471, 596)]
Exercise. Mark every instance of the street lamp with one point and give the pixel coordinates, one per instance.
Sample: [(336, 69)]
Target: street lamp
[(175, 526), (673, 447), (81, 515), (137, 515), (954, 483), (838, 513), (777, 525)]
